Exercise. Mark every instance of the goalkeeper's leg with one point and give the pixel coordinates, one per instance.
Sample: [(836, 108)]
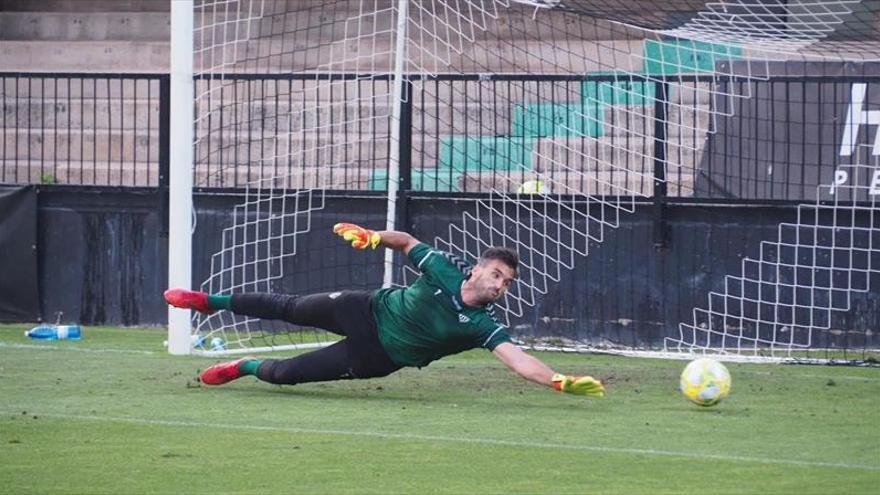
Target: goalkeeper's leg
[(344, 360), (330, 311), (348, 313), (338, 312)]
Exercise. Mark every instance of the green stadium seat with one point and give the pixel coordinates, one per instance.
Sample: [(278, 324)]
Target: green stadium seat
[(486, 153), (559, 119), (671, 57), (422, 180), (378, 180), (624, 91)]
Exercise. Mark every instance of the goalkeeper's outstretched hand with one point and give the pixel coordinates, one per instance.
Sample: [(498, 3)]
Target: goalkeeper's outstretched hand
[(359, 237), (579, 385)]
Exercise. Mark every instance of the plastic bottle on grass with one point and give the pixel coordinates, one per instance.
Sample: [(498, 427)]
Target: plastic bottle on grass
[(218, 344), (55, 332)]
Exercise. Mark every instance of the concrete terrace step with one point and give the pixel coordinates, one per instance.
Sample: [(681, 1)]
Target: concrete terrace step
[(102, 172), (631, 150), (473, 118), (604, 183), (293, 93), (347, 55), (79, 26), (49, 87), (116, 145), (594, 183), (85, 5), (487, 153), (561, 155), (101, 145), (552, 154), (85, 56), (153, 57), (515, 19), (341, 19), (294, 178), (76, 114), (147, 175), (611, 182), (547, 155)]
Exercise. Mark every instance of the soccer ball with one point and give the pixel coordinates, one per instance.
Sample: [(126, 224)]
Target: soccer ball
[(536, 186), (705, 382)]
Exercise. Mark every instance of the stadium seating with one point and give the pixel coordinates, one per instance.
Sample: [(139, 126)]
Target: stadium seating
[(114, 125), (474, 161)]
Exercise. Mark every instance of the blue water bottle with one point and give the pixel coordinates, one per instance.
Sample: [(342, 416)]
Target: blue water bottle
[(55, 332)]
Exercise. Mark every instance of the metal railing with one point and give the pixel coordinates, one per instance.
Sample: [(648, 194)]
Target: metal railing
[(307, 130), (84, 129), (597, 134)]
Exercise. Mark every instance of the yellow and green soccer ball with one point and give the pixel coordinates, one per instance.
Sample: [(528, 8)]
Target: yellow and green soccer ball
[(535, 186), (705, 382)]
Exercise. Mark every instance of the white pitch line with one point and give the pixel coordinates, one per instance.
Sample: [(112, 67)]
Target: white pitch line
[(453, 364), (821, 377), (466, 440), (73, 349)]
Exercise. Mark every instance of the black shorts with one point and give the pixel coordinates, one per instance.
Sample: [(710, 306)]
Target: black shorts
[(348, 313)]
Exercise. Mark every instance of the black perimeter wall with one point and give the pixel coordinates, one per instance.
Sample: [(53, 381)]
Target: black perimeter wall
[(103, 260)]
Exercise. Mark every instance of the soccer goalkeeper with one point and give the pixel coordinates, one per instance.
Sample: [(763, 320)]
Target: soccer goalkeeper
[(448, 309)]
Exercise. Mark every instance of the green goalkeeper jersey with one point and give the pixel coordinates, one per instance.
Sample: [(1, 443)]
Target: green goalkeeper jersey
[(427, 320)]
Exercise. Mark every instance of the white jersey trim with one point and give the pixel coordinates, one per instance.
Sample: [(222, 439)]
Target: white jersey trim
[(419, 266), (500, 327)]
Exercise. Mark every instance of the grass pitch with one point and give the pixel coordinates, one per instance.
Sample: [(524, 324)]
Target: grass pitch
[(114, 413)]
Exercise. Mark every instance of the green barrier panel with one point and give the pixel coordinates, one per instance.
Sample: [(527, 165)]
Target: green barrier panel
[(475, 154), (428, 180), (624, 91), (673, 57), (378, 181), (559, 119)]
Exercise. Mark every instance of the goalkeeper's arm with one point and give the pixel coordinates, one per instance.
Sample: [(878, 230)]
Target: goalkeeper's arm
[(362, 238), (533, 369), (399, 241)]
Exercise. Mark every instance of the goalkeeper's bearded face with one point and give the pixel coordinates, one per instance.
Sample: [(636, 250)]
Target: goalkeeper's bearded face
[(490, 279)]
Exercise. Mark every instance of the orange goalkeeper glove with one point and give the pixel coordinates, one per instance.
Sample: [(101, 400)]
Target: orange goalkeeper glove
[(359, 237), (579, 385)]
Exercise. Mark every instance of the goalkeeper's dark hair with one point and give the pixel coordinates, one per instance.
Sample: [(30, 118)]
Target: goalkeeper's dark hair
[(503, 254)]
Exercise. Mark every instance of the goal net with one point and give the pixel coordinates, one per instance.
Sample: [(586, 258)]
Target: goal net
[(555, 121)]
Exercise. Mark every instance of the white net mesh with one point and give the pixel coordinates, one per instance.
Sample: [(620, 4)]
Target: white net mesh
[(284, 141), (564, 115), (814, 268)]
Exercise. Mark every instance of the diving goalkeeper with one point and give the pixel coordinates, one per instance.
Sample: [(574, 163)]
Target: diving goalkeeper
[(447, 310)]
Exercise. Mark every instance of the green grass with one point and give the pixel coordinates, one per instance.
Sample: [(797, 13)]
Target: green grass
[(114, 413)]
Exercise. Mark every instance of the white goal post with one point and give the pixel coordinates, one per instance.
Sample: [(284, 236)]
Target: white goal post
[(180, 203)]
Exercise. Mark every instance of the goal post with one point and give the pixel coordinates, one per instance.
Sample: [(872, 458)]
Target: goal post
[(400, 38), (283, 161), (180, 203)]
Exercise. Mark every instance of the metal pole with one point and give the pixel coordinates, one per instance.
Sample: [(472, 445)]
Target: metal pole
[(394, 152), (180, 203), (661, 238)]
